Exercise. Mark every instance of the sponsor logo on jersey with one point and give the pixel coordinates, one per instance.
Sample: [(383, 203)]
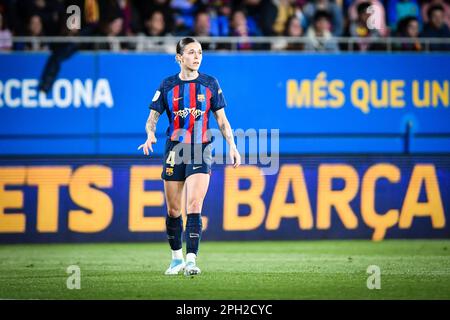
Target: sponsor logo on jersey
[(187, 111)]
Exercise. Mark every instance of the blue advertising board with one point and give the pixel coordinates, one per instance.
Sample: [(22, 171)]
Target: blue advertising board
[(320, 103)]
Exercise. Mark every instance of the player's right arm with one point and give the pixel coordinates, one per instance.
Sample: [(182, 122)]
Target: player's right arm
[(157, 107), (150, 128)]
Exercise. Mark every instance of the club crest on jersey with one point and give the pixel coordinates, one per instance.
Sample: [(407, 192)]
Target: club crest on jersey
[(169, 171), (201, 97)]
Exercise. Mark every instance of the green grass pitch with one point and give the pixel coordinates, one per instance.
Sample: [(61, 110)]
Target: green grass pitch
[(410, 269)]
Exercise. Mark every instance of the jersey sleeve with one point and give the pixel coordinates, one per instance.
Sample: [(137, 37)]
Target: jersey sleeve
[(218, 100), (158, 103)]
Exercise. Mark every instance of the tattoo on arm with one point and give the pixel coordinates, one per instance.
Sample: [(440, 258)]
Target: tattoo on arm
[(153, 118), (225, 128), (226, 132)]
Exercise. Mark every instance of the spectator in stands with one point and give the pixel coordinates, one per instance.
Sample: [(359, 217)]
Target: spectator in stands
[(35, 29), (184, 15), (399, 9), (219, 15), (319, 37), (240, 28), (111, 29), (49, 11), (300, 14), (202, 25), (436, 28), (252, 9), (218, 12), (360, 29), (379, 15), (5, 35), (292, 29), (335, 12), (202, 28), (147, 7), (8, 10), (408, 28), (155, 26), (129, 14), (274, 15), (238, 16), (429, 3)]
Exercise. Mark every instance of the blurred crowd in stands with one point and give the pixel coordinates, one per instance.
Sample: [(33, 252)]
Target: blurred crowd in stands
[(317, 22)]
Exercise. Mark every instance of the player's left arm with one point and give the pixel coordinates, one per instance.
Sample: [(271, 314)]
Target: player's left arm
[(227, 133)]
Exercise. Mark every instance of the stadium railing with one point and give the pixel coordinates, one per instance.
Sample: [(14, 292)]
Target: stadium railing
[(167, 43)]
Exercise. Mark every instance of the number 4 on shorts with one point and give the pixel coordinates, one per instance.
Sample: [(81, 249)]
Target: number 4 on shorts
[(171, 158)]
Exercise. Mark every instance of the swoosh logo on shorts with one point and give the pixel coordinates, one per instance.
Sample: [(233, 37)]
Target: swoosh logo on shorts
[(195, 168)]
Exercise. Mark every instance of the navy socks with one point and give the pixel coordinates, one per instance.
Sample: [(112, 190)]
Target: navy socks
[(174, 229), (193, 232)]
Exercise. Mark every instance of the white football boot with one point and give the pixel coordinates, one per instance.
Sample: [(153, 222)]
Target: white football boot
[(191, 269), (176, 266)]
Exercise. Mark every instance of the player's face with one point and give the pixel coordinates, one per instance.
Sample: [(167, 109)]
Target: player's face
[(192, 56)]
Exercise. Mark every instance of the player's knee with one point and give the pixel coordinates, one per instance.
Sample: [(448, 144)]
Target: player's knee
[(174, 212), (195, 205)]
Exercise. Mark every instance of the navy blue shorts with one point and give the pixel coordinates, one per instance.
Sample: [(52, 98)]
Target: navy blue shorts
[(182, 160)]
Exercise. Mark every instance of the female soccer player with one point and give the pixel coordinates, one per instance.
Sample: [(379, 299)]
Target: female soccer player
[(187, 98)]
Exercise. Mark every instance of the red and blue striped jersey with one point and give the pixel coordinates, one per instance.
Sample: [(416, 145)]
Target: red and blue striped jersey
[(188, 105)]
